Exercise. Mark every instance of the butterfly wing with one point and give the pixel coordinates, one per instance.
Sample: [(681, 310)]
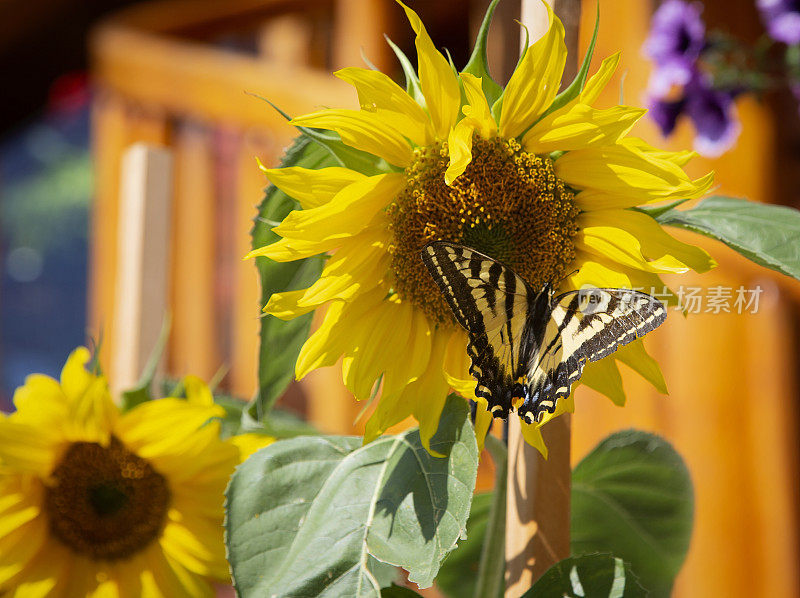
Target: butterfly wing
[(491, 302), (584, 325)]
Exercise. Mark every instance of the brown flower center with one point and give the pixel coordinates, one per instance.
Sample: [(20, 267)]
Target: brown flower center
[(508, 204), (106, 502)]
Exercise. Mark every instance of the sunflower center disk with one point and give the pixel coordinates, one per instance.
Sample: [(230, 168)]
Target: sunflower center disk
[(106, 502), (508, 204)]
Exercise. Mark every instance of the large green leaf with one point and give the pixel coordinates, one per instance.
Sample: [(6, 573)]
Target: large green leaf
[(281, 340), (459, 571), (313, 516), (632, 497), (766, 234), (588, 576)]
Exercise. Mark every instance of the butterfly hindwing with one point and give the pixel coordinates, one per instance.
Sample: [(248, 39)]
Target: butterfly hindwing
[(584, 325), (491, 302)]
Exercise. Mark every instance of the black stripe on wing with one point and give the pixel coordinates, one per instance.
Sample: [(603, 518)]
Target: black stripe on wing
[(490, 302), (585, 325)]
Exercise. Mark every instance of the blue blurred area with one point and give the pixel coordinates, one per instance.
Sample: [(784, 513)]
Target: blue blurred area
[(45, 191)]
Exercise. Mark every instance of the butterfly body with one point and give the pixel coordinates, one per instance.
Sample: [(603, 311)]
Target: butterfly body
[(527, 347)]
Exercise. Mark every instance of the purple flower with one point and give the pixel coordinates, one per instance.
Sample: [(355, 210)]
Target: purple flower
[(677, 37), (713, 114), (666, 113), (782, 19)]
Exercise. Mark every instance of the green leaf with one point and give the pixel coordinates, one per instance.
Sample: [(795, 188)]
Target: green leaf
[(478, 62), (588, 576), (141, 393), (459, 571), (314, 515), (766, 234), (632, 497)]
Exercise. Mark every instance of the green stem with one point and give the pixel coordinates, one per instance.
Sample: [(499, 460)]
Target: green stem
[(491, 570)]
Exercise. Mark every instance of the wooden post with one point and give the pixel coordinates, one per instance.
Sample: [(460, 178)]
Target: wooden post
[(142, 261), (538, 490)]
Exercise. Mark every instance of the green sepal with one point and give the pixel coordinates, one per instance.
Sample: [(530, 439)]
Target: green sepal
[(141, 393), (478, 62), (656, 211), (412, 80)]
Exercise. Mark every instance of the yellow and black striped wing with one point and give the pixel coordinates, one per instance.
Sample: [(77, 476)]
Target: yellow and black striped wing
[(584, 325), (491, 302)]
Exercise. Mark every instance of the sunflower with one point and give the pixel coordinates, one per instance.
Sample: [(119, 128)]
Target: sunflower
[(545, 188), (95, 502)]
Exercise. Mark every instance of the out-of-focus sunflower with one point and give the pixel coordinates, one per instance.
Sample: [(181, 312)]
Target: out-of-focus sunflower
[(546, 189), (95, 502)]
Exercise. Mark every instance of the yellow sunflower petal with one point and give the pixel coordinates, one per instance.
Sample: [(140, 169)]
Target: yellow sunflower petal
[(477, 109), (343, 325), (437, 80), (579, 127), (164, 425), (636, 357), (204, 555), (349, 213), (28, 449), (655, 242), (19, 547), (359, 265), (288, 250), (603, 376), (483, 420), (249, 443), (597, 82), (91, 412), (621, 246), (533, 436), (624, 170), (390, 103), (362, 131), (456, 365), (284, 305), (409, 369), (597, 271), (312, 187), (40, 402), (379, 348), (424, 399), (197, 392), (459, 144), (534, 84), (173, 579)]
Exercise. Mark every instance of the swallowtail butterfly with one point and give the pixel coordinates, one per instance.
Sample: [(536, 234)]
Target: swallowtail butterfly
[(527, 344)]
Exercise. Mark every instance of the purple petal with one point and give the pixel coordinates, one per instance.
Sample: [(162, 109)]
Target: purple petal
[(677, 33), (669, 75), (665, 114), (782, 19), (714, 116)]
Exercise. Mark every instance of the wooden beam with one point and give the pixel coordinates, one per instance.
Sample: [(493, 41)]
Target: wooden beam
[(142, 261), (538, 489)]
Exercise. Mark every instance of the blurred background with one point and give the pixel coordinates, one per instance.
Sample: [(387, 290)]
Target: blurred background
[(85, 80)]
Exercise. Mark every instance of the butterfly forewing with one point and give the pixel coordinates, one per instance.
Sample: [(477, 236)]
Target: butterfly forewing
[(491, 302), (584, 325)]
